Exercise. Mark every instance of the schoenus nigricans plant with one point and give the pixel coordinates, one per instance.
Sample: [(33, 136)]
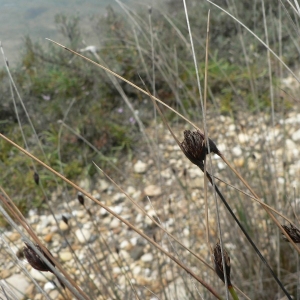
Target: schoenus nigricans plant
[(80, 198), (293, 232), (218, 260), (36, 178), (36, 261), (219, 265), (65, 219), (193, 146)]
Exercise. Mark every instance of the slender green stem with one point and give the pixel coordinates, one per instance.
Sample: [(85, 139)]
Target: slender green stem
[(233, 293)]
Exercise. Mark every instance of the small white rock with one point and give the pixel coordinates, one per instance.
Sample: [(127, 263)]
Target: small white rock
[(237, 151), (133, 241), (140, 167), (136, 270), (296, 136), (83, 235), (103, 212), (131, 190), (63, 226), (103, 185), (115, 223), (41, 276), (221, 165), (18, 284), (49, 286), (146, 258), (152, 191), (243, 138), (81, 214), (65, 256), (124, 245), (118, 197)]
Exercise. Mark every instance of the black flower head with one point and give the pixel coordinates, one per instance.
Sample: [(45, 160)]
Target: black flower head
[(80, 198), (35, 260), (219, 263), (193, 146), (293, 232), (36, 178)]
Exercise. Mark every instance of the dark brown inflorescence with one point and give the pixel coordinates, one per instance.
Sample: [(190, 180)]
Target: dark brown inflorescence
[(35, 260), (80, 198), (36, 178), (293, 232), (219, 264), (193, 146)]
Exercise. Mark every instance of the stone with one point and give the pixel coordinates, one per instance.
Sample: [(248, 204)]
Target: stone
[(147, 258), (126, 245), (167, 173), (65, 256), (296, 136), (83, 235), (44, 221), (48, 238), (115, 223), (54, 294), (19, 284), (236, 151), (5, 273), (14, 236), (152, 191), (221, 165), (136, 252), (239, 162), (140, 167), (118, 197), (38, 297), (63, 226), (103, 185), (81, 214), (30, 291), (49, 286), (103, 212), (131, 190), (169, 275), (41, 276)]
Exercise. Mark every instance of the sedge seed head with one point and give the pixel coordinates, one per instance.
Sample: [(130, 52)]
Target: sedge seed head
[(35, 260), (293, 232), (193, 146), (219, 264)]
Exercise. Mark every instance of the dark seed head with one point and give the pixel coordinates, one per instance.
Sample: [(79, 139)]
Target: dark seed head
[(80, 198), (65, 219), (36, 178), (20, 253), (35, 260), (293, 232), (219, 263), (194, 147)]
